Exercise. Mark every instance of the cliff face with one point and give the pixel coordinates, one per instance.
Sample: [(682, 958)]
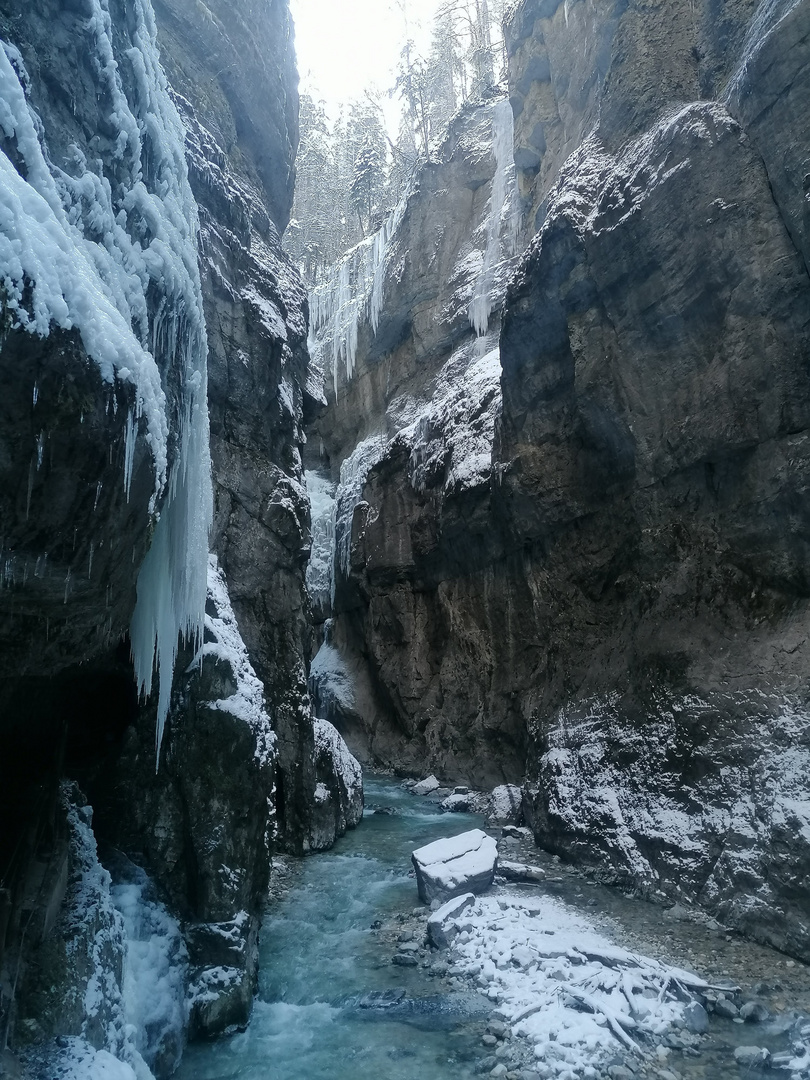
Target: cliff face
[(236, 77), (654, 448), (618, 610), (413, 427)]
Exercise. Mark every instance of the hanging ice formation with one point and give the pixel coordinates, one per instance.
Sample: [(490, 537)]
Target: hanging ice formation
[(321, 493), (503, 221), (84, 251), (354, 290)]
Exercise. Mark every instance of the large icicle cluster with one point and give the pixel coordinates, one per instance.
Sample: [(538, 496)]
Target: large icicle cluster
[(503, 221), (354, 290), (85, 251)]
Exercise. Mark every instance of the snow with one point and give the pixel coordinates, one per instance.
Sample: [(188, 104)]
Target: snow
[(75, 1059), (92, 248), (90, 922), (155, 971), (451, 439), (506, 803), (214, 982), (330, 676), (424, 787), (457, 864), (353, 473), (503, 222), (347, 768), (225, 643), (355, 290), (560, 983)]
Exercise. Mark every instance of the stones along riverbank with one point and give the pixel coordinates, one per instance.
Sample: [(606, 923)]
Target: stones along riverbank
[(533, 981), (586, 982)]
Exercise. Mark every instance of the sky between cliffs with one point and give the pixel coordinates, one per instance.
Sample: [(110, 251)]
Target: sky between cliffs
[(344, 46)]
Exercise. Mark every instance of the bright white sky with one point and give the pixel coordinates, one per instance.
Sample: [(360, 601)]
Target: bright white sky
[(343, 46)]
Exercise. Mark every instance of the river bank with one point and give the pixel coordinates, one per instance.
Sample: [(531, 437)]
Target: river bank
[(350, 988)]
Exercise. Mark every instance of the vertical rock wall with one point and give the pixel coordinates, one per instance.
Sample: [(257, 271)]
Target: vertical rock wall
[(617, 609), (237, 772)]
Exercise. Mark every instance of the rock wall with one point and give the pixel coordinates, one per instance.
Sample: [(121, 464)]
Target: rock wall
[(617, 611), (236, 78), (239, 770), (411, 427), (105, 429), (654, 448)]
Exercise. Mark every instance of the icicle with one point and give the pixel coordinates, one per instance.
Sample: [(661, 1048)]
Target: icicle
[(67, 260), (40, 449), (354, 291), (36, 395), (129, 453), (503, 222), (30, 489)]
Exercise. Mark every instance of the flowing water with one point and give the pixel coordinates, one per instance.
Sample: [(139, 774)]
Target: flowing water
[(320, 958), (325, 965)]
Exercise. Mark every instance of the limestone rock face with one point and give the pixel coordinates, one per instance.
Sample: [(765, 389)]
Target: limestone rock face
[(414, 427), (102, 369), (76, 497), (616, 608), (654, 469), (204, 823), (339, 791), (71, 980)]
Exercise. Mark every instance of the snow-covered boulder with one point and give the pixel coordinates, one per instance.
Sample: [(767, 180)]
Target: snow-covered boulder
[(442, 926), (457, 803), (338, 802), (522, 872), (426, 786), (506, 805), (455, 865)]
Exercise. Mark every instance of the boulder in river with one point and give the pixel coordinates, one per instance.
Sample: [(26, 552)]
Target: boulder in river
[(426, 786), (455, 865), (748, 1057), (523, 872)]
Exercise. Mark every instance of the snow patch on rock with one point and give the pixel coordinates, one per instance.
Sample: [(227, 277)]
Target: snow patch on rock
[(225, 643), (565, 987)]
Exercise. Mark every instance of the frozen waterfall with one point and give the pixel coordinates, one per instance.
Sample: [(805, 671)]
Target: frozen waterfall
[(503, 222), (354, 290), (88, 250)]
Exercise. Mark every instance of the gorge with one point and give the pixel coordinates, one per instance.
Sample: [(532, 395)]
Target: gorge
[(514, 494)]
